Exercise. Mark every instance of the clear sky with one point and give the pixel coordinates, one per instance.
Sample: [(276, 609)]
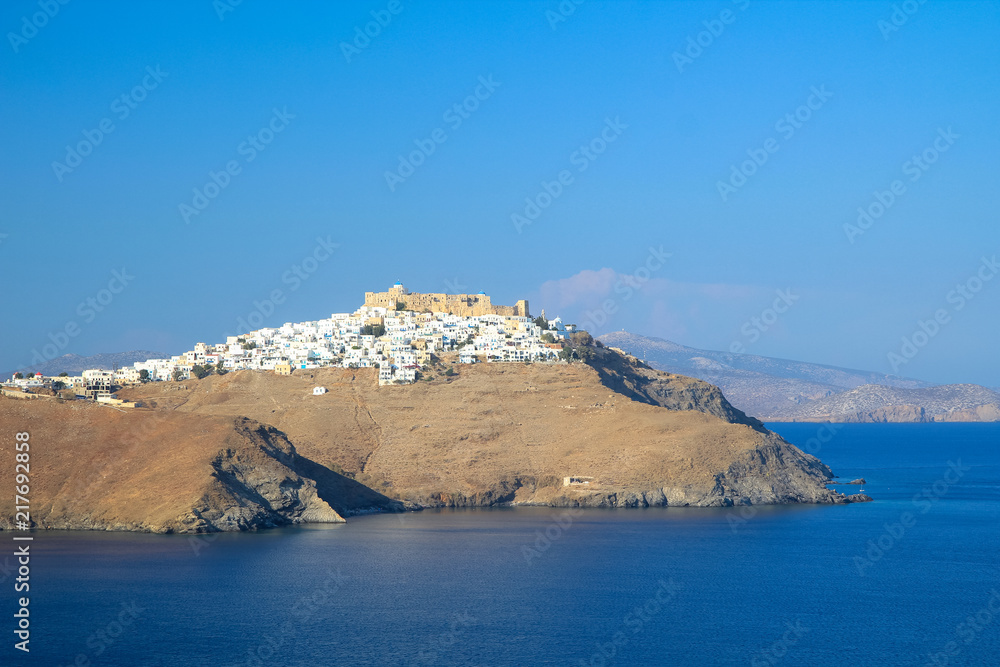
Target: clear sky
[(670, 168)]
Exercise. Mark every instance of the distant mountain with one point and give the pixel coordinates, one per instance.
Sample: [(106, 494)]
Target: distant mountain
[(764, 387), (74, 363), (873, 403)]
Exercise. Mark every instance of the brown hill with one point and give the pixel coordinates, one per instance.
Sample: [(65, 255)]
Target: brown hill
[(512, 433), (218, 454), (95, 467)]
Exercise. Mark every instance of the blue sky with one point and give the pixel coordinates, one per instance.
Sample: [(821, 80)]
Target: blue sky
[(611, 118)]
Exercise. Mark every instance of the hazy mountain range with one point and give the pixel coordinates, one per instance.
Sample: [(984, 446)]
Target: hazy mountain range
[(873, 403), (783, 390), (74, 363)]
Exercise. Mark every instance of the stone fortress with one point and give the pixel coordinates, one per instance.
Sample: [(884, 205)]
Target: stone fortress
[(466, 305)]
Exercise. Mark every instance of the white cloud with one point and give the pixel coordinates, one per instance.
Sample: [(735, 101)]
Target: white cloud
[(606, 300)]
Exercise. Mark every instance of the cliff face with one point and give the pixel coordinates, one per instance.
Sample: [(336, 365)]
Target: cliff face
[(257, 486), (630, 377)]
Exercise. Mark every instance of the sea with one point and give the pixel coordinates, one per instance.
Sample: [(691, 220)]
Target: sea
[(912, 578)]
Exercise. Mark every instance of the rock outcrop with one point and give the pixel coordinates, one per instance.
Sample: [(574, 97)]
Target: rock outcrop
[(97, 468)]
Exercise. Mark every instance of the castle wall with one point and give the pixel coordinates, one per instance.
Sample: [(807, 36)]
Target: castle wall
[(466, 305)]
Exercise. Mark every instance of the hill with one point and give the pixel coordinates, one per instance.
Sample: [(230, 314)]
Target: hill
[(761, 386), (95, 467), (252, 449), (874, 403), (513, 432)]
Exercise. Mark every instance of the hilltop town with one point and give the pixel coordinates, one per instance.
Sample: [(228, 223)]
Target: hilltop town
[(397, 331), (301, 423)]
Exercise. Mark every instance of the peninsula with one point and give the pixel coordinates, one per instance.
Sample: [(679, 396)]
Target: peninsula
[(494, 414)]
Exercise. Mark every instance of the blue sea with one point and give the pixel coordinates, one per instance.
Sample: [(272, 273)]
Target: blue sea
[(909, 579)]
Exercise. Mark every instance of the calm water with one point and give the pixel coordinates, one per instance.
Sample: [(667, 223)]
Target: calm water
[(785, 585)]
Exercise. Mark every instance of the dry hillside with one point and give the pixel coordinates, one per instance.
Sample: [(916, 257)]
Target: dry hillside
[(252, 449)]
